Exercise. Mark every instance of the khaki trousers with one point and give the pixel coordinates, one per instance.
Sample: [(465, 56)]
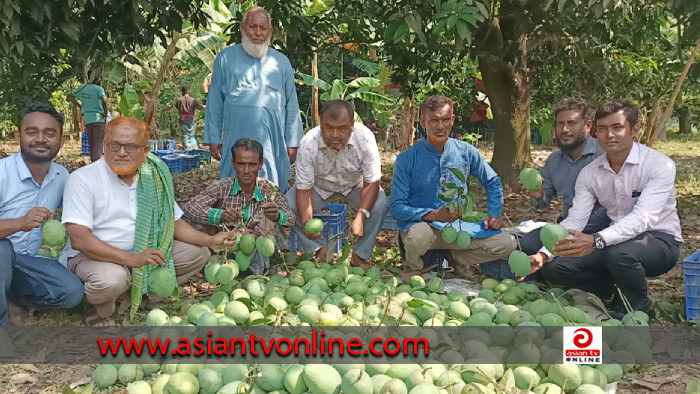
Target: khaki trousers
[(105, 282), (421, 238)]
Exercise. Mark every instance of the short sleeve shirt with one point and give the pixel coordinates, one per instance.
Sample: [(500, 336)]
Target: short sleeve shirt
[(91, 96), (96, 198), (19, 193), (329, 171)]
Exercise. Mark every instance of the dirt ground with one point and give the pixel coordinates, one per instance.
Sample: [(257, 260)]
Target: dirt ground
[(667, 288)]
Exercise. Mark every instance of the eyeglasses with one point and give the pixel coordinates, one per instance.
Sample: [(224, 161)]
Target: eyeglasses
[(129, 148)]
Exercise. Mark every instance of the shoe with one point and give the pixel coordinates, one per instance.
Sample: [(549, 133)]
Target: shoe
[(19, 316), (357, 261)]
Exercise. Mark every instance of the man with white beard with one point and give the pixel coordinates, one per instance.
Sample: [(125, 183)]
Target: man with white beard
[(252, 95)]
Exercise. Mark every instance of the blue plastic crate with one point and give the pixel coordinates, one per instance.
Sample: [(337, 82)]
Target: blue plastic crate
[(389, 223), (174, 163), (691, 269), (170, 145), (204, 155), (500, 269), (85, 146), (334, 223), (164, 152), (189, 162)]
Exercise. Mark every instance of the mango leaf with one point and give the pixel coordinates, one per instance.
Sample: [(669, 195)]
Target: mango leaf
[(416, 303), (450, 185), (451, 21), (313, 81), (462, 29), (451, 207), (401, 31), (458, 174)]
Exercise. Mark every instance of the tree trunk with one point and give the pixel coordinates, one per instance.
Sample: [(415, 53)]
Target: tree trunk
[(651, 120), (314, 93), (151, 101), (405, 133), (77, 124), (509, 93), (685, 121), (679, 84)]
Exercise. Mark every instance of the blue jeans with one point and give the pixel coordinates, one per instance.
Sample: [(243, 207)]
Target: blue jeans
[(35, 282)]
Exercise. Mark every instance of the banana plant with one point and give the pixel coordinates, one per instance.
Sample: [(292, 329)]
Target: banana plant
[(359, 88)]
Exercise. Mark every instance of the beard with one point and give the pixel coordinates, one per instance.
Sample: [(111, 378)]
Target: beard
[(578, 141), (436, 140), (257, 51), (35, 157), (123, 170)]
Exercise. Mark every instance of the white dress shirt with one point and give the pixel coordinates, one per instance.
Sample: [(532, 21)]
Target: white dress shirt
[(96, 198), (639, 198), (329, 171)]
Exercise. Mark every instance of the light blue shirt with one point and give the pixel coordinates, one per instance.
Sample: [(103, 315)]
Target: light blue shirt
[(420, 172), (254, 98), (19, 193)]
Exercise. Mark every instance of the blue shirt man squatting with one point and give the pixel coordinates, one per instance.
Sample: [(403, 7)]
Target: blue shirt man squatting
[(418, 175)]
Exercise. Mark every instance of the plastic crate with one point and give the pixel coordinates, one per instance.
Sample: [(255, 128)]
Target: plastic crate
[(691, 269), (389, 223), (174, 163), (334, 223), (204, 155), (85, 146), (164, 152), (500, 269), (189, 162), (170, 144)]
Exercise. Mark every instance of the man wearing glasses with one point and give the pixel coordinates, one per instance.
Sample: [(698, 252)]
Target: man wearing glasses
[(122, 219), (419, 174)]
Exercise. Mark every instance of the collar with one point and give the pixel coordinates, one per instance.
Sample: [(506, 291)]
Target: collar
[(24, 173), (634, 157), (591, 146), (257, 195)]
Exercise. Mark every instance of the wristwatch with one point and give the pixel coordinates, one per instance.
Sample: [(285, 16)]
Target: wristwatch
[(366, 212), (598, 242)]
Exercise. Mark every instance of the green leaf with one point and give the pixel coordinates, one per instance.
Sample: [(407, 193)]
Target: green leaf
[(371, 97), (129, 102), (338, 89), (462, 29), (450, 185), (313, 81), (416, 303), (451, 21), (364, 82), (458, 174), (451, 207), (469, 17), (401, 31)]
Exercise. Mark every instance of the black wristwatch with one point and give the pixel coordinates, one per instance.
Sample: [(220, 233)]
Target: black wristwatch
[(598, 242)]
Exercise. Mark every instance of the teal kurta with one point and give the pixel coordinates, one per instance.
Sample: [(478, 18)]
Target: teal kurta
[(254, 98)]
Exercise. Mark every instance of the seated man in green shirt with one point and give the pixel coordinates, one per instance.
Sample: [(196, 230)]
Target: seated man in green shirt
[(94, 109), (246, 201)]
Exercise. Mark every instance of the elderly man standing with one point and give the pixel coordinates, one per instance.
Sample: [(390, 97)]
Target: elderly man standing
[(243, 201), (339, 156), (31, 188), (252, 95), (121, 217), (418, 175)]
